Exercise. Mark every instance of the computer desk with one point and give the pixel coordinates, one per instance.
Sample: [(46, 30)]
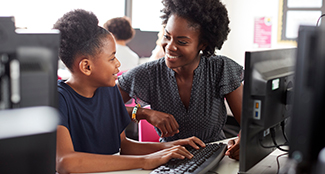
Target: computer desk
[(229, 166)]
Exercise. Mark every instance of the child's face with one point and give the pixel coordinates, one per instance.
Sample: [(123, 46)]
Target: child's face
[(106, 64)]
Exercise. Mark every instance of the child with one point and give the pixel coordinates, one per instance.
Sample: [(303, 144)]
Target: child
[(93, 115)]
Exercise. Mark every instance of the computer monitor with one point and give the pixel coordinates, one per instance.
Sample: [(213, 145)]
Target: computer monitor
[(28, 66), (307, 127), (266, 105), (28, 140), (143, 43)]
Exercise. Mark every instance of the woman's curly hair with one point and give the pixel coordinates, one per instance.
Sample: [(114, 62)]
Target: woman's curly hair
[(210, 15), (120, 27), (80, 35)]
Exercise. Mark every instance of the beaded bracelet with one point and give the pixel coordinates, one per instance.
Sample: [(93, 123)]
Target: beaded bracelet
[(134, 112)]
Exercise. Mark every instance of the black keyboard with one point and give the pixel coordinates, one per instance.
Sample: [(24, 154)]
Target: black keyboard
[(203, 160)]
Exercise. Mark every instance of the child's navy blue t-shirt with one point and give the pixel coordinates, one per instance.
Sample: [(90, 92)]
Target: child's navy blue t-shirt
[(95, 124)]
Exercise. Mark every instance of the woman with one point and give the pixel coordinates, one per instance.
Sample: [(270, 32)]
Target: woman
[(186, 89)]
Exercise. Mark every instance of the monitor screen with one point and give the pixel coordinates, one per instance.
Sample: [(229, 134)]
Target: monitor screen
[(266, 106), (143, 43), (28, 66), (28, 140), (307, 122)]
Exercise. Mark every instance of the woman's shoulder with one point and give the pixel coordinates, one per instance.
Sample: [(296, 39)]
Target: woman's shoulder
[(221, 60), (151, 65), (155, 63), (148, 71), (218, 58)]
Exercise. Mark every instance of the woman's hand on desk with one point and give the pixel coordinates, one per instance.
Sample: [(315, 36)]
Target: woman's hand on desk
[(166, 123), (233, 148)]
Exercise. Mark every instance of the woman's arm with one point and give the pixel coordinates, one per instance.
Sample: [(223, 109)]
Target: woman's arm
[(234, 100), (124, 94)]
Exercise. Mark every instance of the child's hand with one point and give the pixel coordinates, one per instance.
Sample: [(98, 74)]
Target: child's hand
[(156, 159), (192, 141)]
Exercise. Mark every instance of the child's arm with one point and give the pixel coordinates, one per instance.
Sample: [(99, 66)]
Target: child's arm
[(156, 151), (69, 161), (131, 147)]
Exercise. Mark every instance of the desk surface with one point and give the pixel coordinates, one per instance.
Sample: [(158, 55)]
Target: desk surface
[(230, 166)]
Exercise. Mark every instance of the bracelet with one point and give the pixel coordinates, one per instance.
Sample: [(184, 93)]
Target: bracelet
[(134, 112)]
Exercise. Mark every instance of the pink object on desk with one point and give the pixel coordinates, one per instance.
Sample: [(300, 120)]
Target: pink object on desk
[(147, 132)]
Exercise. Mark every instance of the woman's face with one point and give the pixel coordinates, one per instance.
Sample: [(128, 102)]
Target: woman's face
[(181, 43), (106, 64)]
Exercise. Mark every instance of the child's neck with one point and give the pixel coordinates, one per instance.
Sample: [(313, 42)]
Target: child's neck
[(81, 88)]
